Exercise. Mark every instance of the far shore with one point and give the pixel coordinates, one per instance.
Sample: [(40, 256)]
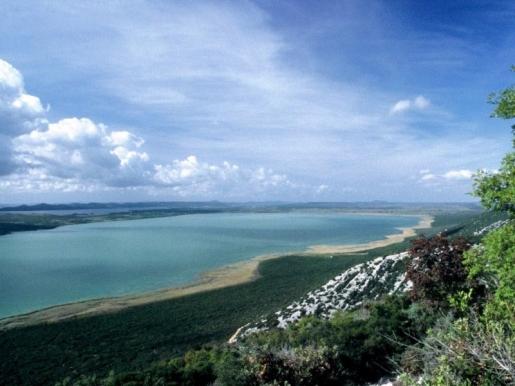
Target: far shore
[(230, 275)]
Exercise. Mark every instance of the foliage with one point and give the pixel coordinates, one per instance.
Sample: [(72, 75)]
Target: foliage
[(196, 368), (480, 350), (497, 190), (436, 269), (306, 365), (465, 352), (494, 259), (352, 348), (135, 338), (504, 102), (493, 262)]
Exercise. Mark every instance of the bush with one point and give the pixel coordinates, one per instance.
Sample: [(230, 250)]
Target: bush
[(348, 349), (463, 352), (493, 263), (436, 269)]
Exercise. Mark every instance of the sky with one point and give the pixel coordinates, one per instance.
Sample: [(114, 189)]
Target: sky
[(251, 100)]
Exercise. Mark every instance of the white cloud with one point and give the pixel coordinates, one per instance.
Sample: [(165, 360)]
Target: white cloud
[(428, 177), (37, 181), (421, 103), (401, 106), (190, 171), (463, 174), (449, 176), (19, 112), (191, 177), (418, 103), (79, 155), (10, 78), (322, 188), (181, 178), (82, 150)]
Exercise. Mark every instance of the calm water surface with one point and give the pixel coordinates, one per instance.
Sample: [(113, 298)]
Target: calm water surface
[(77, 262)]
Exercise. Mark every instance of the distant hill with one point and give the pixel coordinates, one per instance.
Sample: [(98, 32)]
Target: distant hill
[(368, 205), (114, 205)]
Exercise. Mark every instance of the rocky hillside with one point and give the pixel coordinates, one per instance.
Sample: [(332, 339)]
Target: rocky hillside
[(366, 281), (346, 291)]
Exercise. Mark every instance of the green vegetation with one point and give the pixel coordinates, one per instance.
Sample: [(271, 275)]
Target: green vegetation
[(464, 224), (475, 344), (10, 227), (19, 222), (352, 348), (139, 336)]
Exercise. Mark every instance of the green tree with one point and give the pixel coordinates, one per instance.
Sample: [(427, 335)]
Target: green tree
[(470, 350), (504, 101), (494, 259), (497, 190)]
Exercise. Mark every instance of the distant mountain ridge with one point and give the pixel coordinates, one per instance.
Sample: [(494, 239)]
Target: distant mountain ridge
[(382, 205)]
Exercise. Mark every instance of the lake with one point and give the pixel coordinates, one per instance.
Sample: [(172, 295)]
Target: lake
[(78, 262)]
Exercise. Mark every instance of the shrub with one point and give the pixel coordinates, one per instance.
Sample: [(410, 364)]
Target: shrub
[(436, 269), (464, 352), (493, 263), (347, 349)]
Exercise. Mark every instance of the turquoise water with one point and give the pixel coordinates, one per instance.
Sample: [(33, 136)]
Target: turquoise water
[(77, 262)]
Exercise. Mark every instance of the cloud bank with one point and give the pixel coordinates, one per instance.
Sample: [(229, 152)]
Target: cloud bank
[(77, 154)]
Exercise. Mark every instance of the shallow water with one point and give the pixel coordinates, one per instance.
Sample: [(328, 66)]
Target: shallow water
[(77, 262)]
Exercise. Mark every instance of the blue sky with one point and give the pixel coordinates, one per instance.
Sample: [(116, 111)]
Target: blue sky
[(263, 100)]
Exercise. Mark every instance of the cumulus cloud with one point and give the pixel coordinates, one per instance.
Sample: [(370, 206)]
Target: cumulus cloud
[(192, 172), (400, 106), (418, 103), (190, 176), (19, 112), (181, 178), (451, 175), (463, 174), (82, 150), (78, 154)]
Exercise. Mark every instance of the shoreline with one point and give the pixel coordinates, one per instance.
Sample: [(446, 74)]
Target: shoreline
[(406, 232), (226, 276)]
